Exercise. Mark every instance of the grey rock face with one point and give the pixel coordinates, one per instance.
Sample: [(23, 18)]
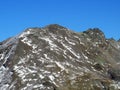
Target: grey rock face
[(55, 58)]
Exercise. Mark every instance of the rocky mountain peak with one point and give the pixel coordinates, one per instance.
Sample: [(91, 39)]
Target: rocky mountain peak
[(55, 58), (55, 26), (56, 29), (95, 33)]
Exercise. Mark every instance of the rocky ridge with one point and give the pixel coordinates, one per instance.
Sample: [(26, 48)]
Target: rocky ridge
[(56, 58)]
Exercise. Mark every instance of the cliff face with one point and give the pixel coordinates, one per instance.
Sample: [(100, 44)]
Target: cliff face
[(55, 58)]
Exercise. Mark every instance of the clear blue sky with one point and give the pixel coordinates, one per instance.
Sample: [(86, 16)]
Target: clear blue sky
[(78, 15)]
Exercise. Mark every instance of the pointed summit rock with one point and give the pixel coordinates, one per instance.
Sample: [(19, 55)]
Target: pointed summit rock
[(55, 26), (95, 33)]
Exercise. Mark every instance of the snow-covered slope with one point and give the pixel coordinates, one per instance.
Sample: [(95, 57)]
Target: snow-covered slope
[(55, 58)]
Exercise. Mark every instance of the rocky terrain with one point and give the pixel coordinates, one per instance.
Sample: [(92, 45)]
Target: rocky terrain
[(56, 58)]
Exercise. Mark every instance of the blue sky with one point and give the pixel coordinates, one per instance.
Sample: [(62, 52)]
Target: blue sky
[(78, 15)]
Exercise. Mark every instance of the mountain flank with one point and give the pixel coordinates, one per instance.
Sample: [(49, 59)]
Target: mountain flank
[(56, 58)]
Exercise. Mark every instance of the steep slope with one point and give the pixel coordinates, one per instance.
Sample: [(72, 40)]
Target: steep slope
[(55, 58)]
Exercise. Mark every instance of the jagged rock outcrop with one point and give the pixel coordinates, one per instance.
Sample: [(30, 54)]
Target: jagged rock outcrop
[(55, 58)]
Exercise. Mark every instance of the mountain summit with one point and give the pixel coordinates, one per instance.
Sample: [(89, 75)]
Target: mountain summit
[(56, 58)]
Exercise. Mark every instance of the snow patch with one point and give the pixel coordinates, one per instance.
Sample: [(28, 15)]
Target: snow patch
[(45, 55), (24, 34), (70, 50), (50, 42), (118, 46), (69, 41), (59, 65), (28, 42), (84, 56), (2, 56), (51, 77)]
